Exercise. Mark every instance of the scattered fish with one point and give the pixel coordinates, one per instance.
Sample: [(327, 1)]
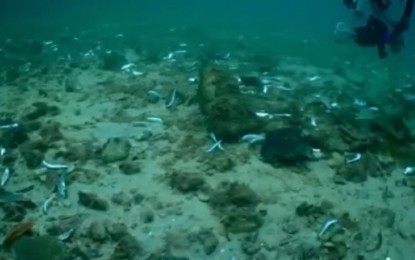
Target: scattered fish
[(317, 154), (285, 88), (264, 114), (333, 105), (253, 138), (171, 98), (2, 151), (326, 225), (272, 116), (153, 96), (217, 144), (265, 89), (154, 119), (314, 78), (5, 177), (180, 52), (174, 99), (46, 204), (89, 53), (61, 188), (192, 80), (282, 115), (169, 56), (409, 170), (66, 235), (313, 122), (128, 66), (359, 103), (356, 157), (248, 92), (153, 93), (14, 125), (137, 73), (54, 166)]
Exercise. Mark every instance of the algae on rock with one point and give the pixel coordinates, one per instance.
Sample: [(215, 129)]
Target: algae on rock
[(214, 83), (115, 149), (229, 114), (230, 118)]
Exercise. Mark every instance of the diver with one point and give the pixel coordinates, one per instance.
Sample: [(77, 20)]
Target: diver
[(377, 6), (378, 31)]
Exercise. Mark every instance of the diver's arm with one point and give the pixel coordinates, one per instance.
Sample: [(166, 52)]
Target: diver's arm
[(403, 23)]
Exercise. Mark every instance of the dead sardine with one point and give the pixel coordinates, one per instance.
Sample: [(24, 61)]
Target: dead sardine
[(54, 166), (14, 125), (326, 225), (66, 235), (2, 152), (5, 177), (174, 99), (46, 204), (253, 138), (61, 188)]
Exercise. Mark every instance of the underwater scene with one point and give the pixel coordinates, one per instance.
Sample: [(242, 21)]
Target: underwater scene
[(198, 130)]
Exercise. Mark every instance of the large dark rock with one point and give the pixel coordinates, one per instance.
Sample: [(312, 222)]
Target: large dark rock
[(112, 61), (286, 146)]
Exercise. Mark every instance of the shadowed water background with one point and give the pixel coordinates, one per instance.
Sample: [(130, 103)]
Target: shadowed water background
[(301, 28)]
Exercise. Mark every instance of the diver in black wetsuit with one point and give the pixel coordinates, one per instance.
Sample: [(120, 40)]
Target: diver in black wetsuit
[(376, 32)]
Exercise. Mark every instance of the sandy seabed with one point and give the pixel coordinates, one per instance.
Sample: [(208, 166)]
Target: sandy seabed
[(161, 217)]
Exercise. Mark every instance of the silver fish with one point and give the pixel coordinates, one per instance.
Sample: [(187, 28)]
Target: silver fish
[(66, 235), (45, 206), (326, 225), (2, 151), (61, 189), (5, 177), (54, 166)]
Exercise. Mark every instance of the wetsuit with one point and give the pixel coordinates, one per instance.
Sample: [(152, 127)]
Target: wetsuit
[(377, 33), (374, 33)]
